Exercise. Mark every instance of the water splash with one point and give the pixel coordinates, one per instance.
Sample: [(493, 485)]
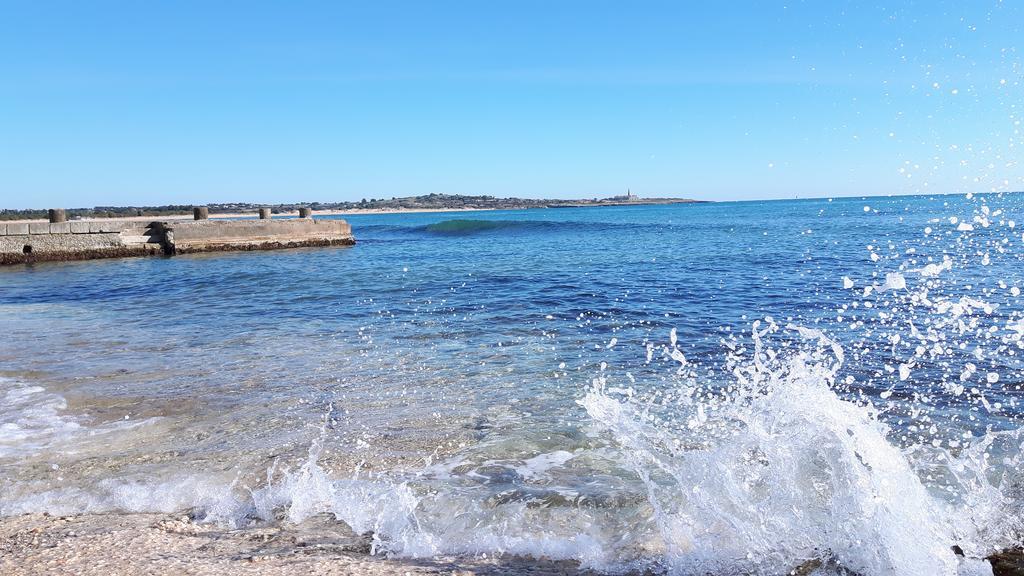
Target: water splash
[(779, 468)]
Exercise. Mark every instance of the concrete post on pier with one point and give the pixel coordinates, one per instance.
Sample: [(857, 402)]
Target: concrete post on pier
[(57, 215), (264, 213), (305, 212), (201, 213)]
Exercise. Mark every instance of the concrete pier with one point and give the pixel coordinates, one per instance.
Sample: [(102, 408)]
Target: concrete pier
[(219, 235), (84, 240), (264, 213), (201, 213), (57, 215)]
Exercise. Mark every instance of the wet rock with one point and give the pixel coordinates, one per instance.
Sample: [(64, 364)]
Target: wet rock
[(1008, 562), (807, 568), (183, 526), (810, 567), (325, 534)]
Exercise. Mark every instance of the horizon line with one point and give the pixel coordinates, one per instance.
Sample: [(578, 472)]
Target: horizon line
[(565, 199)]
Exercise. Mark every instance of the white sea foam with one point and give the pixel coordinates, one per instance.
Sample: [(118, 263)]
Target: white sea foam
[(31, 417), (33, 420), (215, 497)]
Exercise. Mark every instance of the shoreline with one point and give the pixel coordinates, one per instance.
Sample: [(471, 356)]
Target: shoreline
[(128, 544), (153, 543), (354, 212)]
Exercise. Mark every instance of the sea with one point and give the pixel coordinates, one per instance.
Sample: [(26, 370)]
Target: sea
[(704, 388)]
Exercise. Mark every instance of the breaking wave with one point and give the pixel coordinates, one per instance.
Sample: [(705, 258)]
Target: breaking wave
[(468, 227), (472, 227)]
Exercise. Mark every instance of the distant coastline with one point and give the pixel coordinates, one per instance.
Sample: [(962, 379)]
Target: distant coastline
[(411, 204)]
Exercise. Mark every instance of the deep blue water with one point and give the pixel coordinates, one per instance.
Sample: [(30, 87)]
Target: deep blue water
[(474, 337)]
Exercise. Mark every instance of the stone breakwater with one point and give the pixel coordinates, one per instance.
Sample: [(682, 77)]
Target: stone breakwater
[(82, 240)]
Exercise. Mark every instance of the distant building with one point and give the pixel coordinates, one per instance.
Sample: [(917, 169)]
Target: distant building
[(628, 197)]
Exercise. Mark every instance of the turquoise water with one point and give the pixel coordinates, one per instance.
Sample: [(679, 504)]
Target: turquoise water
[(690, 388)]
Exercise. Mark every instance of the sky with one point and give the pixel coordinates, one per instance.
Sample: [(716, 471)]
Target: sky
[(193, 102)]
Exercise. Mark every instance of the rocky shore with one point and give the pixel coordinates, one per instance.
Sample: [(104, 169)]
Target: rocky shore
[(144, 544)]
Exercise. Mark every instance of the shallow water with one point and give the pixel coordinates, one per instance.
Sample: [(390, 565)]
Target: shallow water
[(730, 387)]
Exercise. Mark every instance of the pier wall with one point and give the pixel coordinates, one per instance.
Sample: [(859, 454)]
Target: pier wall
[(83, 240), (217, 235)]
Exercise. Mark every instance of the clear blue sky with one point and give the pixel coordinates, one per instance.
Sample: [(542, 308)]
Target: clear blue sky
[(112, 103)]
